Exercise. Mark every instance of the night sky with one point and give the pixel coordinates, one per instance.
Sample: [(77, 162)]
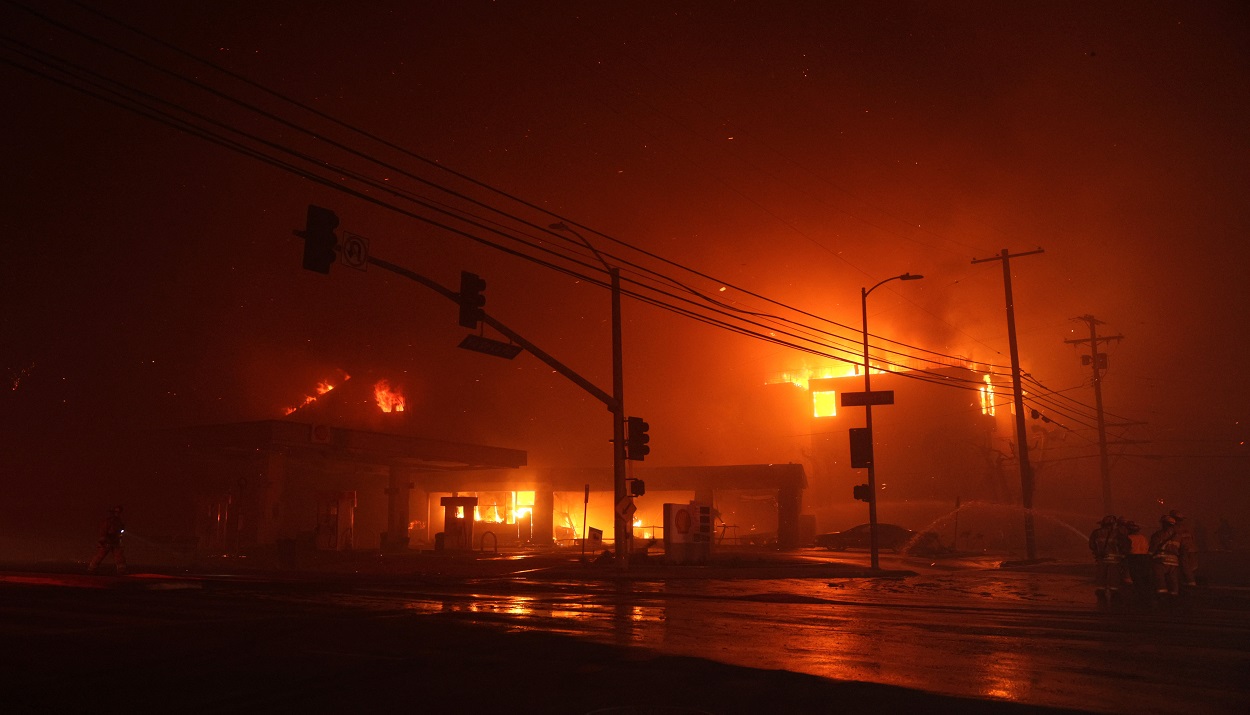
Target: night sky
[(775, 157)]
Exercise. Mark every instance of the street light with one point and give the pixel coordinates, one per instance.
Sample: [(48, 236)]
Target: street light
[(622, 527), (872, 460)]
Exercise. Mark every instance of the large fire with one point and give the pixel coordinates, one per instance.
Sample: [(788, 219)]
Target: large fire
[(322, 388), (389, 400), (805, 375), (987, 397)]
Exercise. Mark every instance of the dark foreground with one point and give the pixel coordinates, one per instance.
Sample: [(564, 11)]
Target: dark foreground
[(229, 648)]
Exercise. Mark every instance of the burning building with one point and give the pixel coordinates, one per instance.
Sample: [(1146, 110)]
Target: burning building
[(343, 471), (947, 439)]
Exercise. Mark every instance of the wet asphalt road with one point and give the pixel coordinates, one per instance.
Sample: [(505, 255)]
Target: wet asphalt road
[(1028, 635), (969, 629)]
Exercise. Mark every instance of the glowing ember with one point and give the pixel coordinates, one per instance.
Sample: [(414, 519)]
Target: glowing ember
[(322, 388), (388, 400)]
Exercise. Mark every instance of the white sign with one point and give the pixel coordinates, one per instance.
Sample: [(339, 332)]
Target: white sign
[(625, 508), (355, 251)]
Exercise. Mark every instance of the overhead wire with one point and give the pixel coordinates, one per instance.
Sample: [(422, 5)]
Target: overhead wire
[(483, 185), (712, 304)]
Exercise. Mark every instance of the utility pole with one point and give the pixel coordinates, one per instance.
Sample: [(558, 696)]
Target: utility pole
[(622, 509), (1022, 446), (1099, 362)]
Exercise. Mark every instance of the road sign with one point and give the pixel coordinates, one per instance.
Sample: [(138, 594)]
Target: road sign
[(862, 399), (355, 251), (625, 509), (497, 348)]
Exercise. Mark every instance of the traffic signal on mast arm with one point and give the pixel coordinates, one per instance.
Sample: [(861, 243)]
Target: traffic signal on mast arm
[(319, 239), (636, 439), (471, 299)]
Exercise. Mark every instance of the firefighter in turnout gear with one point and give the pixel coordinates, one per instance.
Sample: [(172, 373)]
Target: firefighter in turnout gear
[(110, 541), (1109, 544), (1137, 565), (1165, 549), (1189, 549)]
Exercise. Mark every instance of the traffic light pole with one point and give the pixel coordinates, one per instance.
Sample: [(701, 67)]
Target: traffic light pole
[(507, 332), (622, 526), (319, 223)]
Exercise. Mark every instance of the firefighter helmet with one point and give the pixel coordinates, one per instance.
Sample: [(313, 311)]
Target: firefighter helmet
[(1108, 520)]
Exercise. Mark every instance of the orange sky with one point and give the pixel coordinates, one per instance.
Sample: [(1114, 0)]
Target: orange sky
[(796, 151)]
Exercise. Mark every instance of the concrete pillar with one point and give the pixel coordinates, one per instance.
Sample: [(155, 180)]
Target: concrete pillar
[(271, 488), (398, 516), (544, 515), (789, 506)]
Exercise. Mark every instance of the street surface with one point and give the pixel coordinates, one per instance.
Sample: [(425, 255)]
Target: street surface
[(959, 627)]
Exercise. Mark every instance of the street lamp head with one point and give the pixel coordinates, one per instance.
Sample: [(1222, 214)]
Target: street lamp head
[(558, 226), (905, 277)]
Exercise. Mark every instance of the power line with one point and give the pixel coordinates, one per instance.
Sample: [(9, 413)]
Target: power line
[(801, 336)]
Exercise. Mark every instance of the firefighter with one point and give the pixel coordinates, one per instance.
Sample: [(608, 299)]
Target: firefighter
[(1109, 544), (1189, 549), (110, 541), (1165, 549), (1137, 563)]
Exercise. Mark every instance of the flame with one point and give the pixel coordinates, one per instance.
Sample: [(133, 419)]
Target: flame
[(322, 388), (802, 376), (649, 533), (497, 518), (389, 400), (987, 397)]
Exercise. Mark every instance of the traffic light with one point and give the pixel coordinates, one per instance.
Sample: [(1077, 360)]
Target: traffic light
[(471, 299), (319, 239), (860, 491), (636, 439), (637, 487)]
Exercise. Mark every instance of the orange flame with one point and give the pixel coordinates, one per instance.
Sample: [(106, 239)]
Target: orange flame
[(322, 388), (388, 400), (987, 397), (802, 376)]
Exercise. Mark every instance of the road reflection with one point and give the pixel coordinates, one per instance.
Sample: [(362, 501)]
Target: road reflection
[(1010, 636)]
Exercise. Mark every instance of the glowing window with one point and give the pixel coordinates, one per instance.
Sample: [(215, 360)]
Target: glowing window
[(824, 404), (522, 504)]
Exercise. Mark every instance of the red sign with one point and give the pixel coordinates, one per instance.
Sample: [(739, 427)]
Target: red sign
[(681, 521)]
